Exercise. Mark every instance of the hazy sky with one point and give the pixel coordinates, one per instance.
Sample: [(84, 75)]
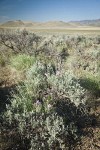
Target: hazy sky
[(45, 10)]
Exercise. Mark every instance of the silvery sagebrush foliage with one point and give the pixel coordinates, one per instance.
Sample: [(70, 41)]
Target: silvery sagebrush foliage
[(65, 83), (34, 108), (34, 112)]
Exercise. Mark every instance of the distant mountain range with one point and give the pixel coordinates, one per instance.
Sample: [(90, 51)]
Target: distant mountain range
[(95, 23), (52, 24)]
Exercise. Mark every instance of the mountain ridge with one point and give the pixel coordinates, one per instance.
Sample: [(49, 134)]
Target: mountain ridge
[(94, 22), (52, 24)]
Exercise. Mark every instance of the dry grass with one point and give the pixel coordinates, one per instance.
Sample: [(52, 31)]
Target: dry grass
[(77, 30)]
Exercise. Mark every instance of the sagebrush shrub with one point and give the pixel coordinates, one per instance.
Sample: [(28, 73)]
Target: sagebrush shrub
[(48, 107), (35, 107)]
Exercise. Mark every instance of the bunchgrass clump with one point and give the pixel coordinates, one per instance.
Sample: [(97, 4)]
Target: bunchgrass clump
[(22, 62)]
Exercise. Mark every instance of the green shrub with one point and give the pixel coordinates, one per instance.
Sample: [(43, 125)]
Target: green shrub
[(22, 62), (91, 83)]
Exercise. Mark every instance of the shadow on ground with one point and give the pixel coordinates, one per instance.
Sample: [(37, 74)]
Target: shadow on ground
[(5, 95)]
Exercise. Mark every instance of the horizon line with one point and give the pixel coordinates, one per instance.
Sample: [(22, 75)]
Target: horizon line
[(49, 20)]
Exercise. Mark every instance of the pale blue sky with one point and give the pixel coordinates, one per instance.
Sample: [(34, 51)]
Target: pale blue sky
[(46, 10)]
